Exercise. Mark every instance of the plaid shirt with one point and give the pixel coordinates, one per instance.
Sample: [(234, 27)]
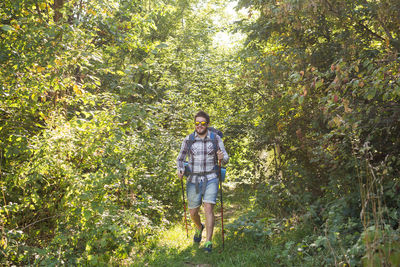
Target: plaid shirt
[(202, 157)]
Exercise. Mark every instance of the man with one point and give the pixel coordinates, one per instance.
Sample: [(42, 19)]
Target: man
[(202, 185)]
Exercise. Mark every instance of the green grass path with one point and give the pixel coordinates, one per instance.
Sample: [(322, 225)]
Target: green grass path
[(173, 248)]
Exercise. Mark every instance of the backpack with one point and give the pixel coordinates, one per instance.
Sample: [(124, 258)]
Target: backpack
[(213, 133)]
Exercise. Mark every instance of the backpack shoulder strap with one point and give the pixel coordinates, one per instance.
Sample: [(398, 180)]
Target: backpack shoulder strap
[(214, 140), (190, 141)]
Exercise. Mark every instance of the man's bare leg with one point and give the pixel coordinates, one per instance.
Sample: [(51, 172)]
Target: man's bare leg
[(194, 215), (210, 220)]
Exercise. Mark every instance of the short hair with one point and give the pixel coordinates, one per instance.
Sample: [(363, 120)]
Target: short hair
[(203, 115)]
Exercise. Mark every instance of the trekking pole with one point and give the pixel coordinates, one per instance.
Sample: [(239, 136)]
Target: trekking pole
[(222, 205), (184, 207)]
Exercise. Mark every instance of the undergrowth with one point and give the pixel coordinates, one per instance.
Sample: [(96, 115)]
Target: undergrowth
[(254, 238)]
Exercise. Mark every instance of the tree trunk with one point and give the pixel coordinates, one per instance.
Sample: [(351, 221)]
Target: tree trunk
[(58, 4)]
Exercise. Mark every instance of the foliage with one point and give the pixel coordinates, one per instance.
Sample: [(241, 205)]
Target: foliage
[(89, 91), (91, 187), (322, 79), (96, 96)]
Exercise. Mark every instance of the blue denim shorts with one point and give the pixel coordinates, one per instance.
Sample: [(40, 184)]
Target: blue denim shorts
[(210, 195)]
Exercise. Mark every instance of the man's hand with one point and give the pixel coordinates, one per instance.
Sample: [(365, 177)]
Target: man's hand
[(220, 155), (180, 174)]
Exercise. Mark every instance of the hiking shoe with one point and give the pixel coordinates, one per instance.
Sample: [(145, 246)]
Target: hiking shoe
[(197, 234), (208, 246)]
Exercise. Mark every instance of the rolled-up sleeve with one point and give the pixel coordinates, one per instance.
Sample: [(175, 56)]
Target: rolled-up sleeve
[(182, 155), (222, 147)]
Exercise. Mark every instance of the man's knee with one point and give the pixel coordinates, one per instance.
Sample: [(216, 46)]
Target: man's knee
[(208, 207)]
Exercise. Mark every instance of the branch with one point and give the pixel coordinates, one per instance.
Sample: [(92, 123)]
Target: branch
[(38, 11), (392, 41), (29, 225), (370, 31), (330, 8)]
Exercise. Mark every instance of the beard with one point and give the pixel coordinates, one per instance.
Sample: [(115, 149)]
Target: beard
[(202, 131)]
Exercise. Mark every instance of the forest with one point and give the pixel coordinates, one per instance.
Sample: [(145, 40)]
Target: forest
[(97, 96)]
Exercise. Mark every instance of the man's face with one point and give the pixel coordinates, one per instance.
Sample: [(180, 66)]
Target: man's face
[(201, 125)]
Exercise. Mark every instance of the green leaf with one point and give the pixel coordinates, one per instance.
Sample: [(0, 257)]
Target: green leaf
[(7, 28), (371, 93), (397, 90), (162, 45), (301, 99), (319, 84)]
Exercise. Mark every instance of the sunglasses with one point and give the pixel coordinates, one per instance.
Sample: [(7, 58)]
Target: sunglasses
[(197, 123)]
